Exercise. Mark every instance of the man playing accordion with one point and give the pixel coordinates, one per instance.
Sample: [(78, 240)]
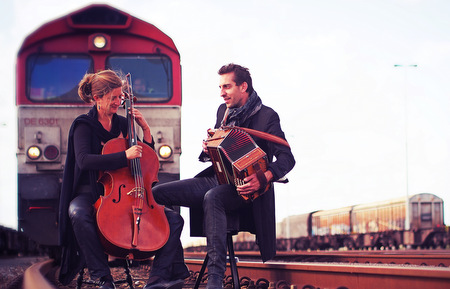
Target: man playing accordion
[(206, 196)]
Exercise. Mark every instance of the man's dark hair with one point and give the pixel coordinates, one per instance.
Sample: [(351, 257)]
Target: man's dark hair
[(241, 74)]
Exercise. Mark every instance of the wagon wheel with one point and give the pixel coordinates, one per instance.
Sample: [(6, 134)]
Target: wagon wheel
[(437, 240), (392, 243), (302, 244), (349, 243), (388, 242), (359, 242), (313, 245)]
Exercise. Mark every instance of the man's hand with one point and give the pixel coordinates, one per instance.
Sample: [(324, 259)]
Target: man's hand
[(252, 183), (205, 148), (210, 132)]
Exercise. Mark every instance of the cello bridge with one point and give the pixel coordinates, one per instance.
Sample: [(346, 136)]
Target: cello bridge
[(138, 192)]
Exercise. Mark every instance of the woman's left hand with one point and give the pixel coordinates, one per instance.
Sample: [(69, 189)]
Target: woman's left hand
[(140, 120)]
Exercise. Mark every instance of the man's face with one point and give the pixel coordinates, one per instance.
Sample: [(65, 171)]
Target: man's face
[(233, 95), (139, 86)]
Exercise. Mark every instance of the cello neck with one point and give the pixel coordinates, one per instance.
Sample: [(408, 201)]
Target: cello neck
[(129, 103), (132, 138), (131, 123)]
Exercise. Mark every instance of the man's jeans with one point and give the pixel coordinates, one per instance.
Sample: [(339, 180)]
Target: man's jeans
[(216, 200), (169, 260)]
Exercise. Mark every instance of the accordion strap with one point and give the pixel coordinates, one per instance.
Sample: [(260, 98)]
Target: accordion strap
[(261, 177), (261, 134)]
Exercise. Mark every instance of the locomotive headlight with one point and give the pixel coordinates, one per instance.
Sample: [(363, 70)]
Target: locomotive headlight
[(34, 152), (99, 41), (51, 152), (165, 151)]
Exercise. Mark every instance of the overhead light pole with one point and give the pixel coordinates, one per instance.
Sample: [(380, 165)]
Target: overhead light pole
[(407, 212)]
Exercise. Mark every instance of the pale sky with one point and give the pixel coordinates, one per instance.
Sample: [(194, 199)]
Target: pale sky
[(327, 67)]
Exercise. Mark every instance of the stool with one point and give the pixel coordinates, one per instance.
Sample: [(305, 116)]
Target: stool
[(232, 229), (128, 278)]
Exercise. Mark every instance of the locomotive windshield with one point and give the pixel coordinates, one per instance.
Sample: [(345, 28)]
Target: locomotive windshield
[(151, 75), (55, 77)]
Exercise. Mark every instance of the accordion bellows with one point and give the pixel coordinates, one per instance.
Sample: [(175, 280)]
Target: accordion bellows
[(235, 155)]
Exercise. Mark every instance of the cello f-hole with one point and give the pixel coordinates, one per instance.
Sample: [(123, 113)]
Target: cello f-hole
[(120, 194)]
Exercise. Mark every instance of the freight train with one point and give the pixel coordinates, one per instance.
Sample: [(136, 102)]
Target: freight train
[(413, 222), (378, 225)]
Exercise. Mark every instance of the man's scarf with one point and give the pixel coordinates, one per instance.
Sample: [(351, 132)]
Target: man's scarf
[(238, 116)]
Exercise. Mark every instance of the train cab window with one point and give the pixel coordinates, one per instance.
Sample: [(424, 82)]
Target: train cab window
[(54, 78), (151, 75)]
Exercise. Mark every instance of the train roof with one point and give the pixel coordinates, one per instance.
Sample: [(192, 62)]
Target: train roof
[(94, 18), (343, 210), (423, 197), (400, 200)]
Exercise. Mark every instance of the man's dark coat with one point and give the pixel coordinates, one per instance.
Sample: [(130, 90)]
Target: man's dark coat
[(259, 216)]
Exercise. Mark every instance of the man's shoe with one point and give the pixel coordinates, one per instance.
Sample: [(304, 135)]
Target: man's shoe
[(163, 284), (214, 282), (107, 285)]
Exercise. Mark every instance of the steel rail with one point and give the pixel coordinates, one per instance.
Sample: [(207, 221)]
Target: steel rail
[(424, 258), (34, 276), (355, 276)]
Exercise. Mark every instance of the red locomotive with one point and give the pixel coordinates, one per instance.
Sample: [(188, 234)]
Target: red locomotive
[(50, 63)]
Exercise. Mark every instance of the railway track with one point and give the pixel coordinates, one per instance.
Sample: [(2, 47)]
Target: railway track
[(439, 258), (304, 275), (35, 277), (341, 276)]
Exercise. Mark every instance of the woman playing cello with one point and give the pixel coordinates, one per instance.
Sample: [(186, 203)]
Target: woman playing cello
[(80, 190)]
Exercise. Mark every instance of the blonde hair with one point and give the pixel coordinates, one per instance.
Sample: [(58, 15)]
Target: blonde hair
[(98, 84)]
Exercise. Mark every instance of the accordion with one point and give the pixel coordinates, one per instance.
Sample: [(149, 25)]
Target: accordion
[(235, 155)]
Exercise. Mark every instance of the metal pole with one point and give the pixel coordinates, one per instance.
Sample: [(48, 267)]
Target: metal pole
[(407, 211)]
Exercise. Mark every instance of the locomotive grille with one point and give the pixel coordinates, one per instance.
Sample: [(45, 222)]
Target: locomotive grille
[(104, 16)]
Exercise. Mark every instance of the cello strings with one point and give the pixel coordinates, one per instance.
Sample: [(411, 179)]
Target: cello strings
[(137, 169), (135, 163)]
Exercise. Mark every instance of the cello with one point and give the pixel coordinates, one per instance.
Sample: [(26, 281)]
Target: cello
[(130, 223)]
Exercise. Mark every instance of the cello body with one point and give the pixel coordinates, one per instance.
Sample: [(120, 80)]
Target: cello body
[(130, 223), (116, 210)]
